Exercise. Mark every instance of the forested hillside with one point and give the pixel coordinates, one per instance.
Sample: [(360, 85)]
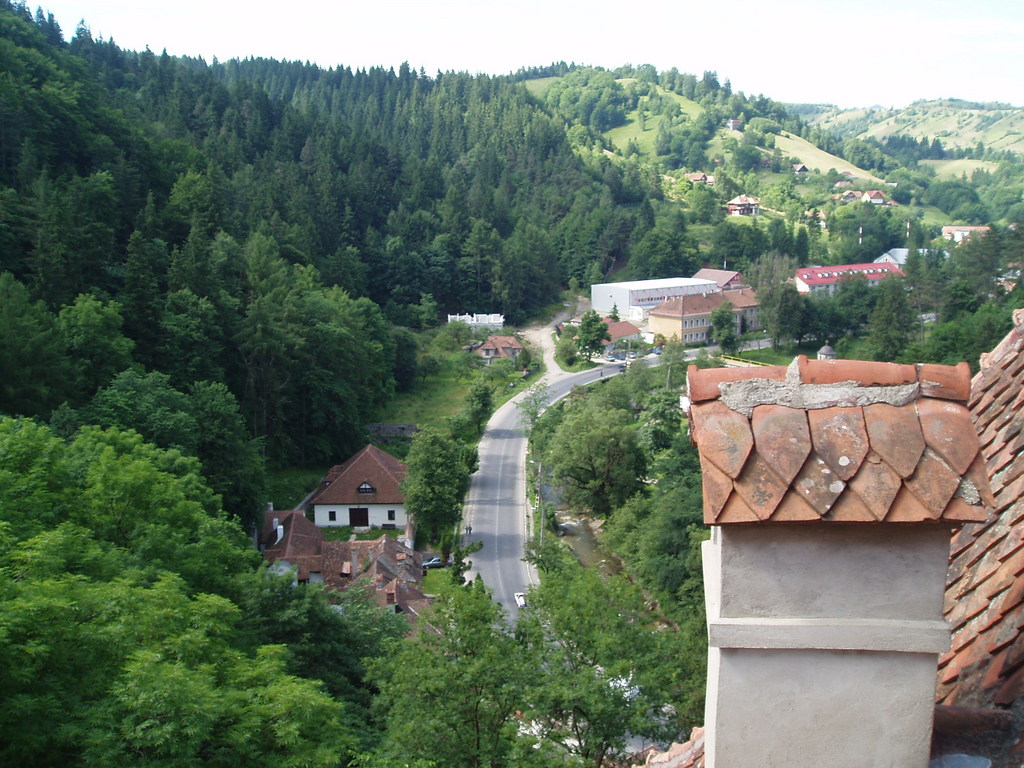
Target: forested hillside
[(234, 244)]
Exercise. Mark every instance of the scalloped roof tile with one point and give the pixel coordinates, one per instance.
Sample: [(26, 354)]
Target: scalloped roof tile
[(837, 440)]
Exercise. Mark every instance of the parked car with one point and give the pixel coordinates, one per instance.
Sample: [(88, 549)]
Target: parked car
[(435, 562), (520, 599)]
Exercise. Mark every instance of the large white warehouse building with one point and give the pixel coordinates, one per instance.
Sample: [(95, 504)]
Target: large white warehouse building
[(635, 298)]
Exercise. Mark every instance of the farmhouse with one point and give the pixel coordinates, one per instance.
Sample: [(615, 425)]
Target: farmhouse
[(499, 347), (743, 205), (364, 493), (819, 279)]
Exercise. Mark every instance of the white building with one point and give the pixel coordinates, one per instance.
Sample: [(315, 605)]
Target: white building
[(364, 492), (492, 322), (635, 298)]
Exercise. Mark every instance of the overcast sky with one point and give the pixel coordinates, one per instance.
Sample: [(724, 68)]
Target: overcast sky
[(843, 52)]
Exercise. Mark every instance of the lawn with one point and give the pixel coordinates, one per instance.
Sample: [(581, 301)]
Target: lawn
[(429, 403), (818, 159)]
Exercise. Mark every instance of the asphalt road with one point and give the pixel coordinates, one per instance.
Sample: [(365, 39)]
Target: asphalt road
[(496, 503)]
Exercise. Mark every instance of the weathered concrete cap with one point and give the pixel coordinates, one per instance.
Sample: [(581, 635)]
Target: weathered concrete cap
[(837, 440)]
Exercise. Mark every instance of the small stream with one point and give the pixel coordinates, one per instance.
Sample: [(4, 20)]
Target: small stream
[(578, 532)]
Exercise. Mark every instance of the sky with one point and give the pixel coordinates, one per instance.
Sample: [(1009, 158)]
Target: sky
[(852, 54)]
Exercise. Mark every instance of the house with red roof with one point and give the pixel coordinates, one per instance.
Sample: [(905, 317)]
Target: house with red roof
[(873, 196), (825, 279), (500, 347), (620, 332), (363, 492), (389, 570)]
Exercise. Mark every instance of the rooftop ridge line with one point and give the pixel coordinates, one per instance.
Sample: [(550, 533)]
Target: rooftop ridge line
[(744, 395)]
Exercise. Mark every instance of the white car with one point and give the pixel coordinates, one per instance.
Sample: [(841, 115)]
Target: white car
[(520, 599)]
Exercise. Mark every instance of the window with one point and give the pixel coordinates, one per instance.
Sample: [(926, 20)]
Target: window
[(332, 515), (365, 488), (391, 514)]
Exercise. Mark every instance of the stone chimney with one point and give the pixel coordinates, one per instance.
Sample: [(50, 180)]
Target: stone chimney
[(832, 487)]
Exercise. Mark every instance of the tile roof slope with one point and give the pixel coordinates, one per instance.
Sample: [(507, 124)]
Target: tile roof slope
[(300, 544), (985, 587), (686, 755), (837, 440), (705, 303), (371, 465), (825, 275)]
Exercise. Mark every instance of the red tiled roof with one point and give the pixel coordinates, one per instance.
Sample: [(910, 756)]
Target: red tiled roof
[(299, 544), (744, 200), (502, 346), (721, 276), (619, 329), (826, 275), (699, 304), (837, 440), (382, 471), (985, 586)]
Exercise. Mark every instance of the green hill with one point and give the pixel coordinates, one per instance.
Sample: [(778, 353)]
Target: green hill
[(818, 159), (955, 123)]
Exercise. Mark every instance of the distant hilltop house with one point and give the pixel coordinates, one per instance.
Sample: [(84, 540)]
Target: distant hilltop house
[(388, 569), (960, 232), (700, 178), (733, 123), (500, 347), (688, 318), (488, 322), (873, 196), (743, 205), (364, 492), (635, 298), (800, 169), (819, 279)]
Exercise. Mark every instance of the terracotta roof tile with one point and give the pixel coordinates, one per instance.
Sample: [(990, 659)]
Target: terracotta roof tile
[(781, 433), (706, 385), (948, 431), (985, 588), (840, 437), (895, 435), (836, 441), (944, 381), (725, 435), (760, 487)]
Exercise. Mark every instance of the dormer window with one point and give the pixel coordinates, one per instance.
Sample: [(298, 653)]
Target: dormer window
[(366, 488)]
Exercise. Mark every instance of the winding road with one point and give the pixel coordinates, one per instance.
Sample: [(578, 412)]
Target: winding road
[(495, 508)]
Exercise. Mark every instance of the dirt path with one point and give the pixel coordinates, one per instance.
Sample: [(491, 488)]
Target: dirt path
[(541, 337)]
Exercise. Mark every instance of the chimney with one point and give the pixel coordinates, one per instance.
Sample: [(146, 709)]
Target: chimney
[(832, 487)]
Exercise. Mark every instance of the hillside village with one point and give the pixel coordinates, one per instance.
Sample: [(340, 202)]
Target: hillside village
[(284, 347)]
